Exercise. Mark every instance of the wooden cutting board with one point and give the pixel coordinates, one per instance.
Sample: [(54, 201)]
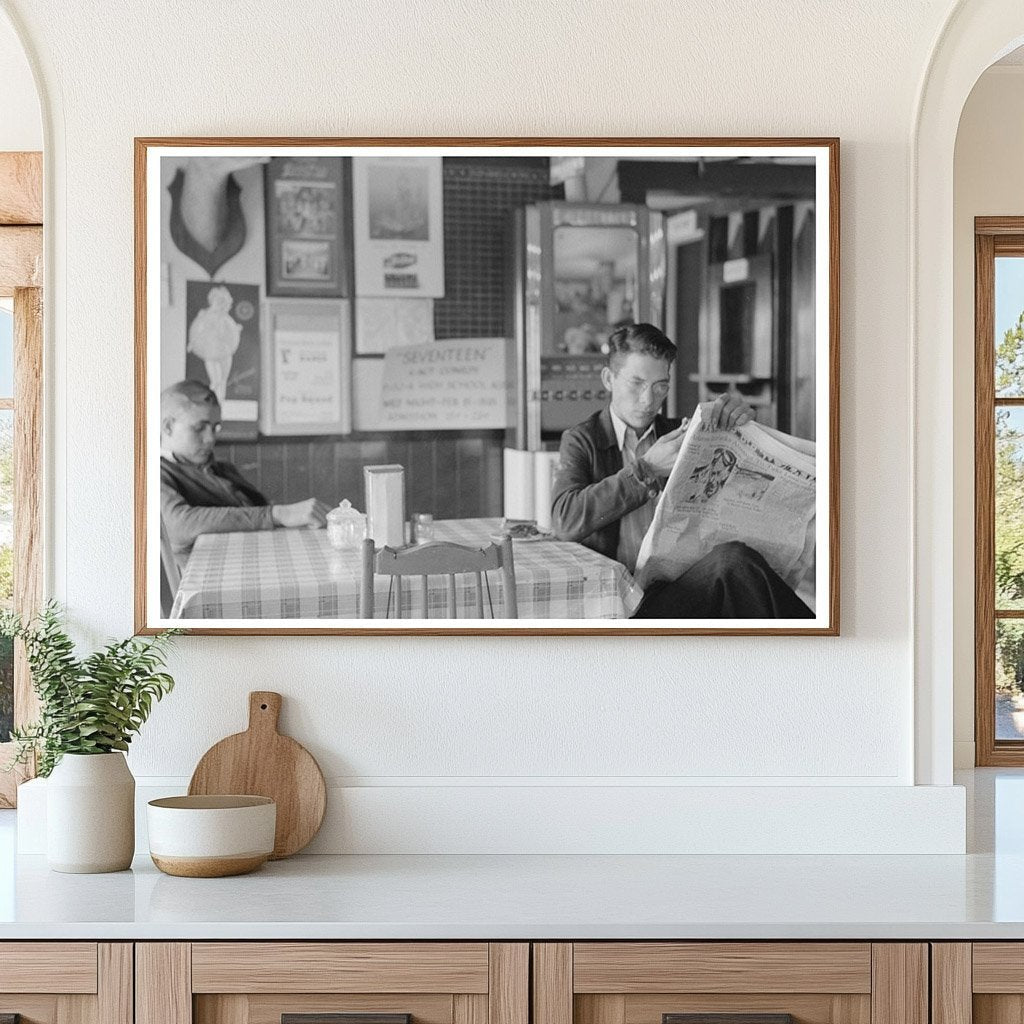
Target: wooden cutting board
[(262, 762)]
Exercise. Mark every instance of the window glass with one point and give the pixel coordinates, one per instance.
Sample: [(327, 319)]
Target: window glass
[(6, 568), (1009, 511), (6, 353), (1009, 679), (1009, 327)]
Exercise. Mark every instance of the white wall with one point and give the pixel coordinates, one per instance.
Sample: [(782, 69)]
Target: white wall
[(381, 713), (987, 182)]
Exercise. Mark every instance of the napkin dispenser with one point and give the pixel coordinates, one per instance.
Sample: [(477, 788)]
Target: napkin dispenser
[(385, 504)]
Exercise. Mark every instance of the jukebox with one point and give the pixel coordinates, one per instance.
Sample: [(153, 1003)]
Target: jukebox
[(579, 271)]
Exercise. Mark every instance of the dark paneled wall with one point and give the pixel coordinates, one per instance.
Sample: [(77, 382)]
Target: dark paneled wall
[(454, 474)]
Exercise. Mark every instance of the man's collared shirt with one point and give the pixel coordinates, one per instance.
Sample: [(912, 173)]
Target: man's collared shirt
[(634, 525)]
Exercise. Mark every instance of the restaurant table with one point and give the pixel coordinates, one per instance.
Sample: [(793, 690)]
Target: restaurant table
[(296, 574)]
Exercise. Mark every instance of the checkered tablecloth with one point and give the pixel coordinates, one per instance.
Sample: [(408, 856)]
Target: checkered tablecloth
[(296, 574)]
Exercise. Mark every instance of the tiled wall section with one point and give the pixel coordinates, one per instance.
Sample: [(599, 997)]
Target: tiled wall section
[(452, 474), (478, 199)]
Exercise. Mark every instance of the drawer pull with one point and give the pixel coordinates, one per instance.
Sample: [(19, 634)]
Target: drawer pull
[(339, 1018), (727, 1018)]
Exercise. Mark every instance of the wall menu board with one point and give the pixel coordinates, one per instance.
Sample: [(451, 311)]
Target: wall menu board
[(308, 364), (461, 384), (398, 224)]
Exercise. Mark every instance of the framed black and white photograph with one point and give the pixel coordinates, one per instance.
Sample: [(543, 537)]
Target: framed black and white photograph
[(487, 386), (306, 218)]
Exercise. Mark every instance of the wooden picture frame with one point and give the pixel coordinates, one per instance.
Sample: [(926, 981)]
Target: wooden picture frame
[(800, 193), (308, 217)]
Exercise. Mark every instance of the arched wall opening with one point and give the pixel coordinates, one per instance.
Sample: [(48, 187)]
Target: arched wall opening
[(976, 35), (989, 152)]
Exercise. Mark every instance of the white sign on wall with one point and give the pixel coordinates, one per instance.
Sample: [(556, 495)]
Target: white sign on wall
[(398, 220), (461, 384)]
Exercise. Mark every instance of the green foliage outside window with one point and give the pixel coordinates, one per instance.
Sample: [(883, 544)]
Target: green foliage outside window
[(1009, 510)]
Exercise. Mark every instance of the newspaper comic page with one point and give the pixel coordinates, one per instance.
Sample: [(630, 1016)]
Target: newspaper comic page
[(751, 484)]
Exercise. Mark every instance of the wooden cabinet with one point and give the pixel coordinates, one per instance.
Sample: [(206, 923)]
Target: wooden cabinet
[(260, 982), (977, 983), (66, 982), (512, 982), (651, 982)]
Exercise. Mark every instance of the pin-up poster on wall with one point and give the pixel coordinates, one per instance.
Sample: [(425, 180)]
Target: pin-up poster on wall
[(223, 349), (398, 225)]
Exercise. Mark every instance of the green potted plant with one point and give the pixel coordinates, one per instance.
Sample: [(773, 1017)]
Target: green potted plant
[(90, 707)]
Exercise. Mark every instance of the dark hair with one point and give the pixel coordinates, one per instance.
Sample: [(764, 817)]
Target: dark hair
[(643, 338)]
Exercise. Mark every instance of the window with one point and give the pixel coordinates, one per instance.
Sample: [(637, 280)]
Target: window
[(21, 364), (999, 490), (6, 515)]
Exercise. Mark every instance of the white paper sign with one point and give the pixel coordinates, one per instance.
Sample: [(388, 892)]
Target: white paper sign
[(398, 217), (387, 323), (446, 385), (306, 374)]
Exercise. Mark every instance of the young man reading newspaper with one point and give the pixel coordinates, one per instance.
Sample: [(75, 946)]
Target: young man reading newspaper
[(613, 467)]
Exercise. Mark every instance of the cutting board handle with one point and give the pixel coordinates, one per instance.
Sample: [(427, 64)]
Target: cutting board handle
[(264, 710)]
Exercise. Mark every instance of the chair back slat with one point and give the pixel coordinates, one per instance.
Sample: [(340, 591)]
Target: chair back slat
[(398, 597), (167, 560), (453, 609), (479, 595), (366, 583), (425, 583), (508, 579)]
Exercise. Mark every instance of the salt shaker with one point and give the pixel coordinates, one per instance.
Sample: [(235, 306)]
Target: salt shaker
[(422, 528)]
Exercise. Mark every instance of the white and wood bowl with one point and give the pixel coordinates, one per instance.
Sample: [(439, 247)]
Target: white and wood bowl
[(211, 836)]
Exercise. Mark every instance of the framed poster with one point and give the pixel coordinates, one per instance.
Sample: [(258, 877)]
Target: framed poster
[(308, 368), (307, 217), (398, 224), (622, 402)]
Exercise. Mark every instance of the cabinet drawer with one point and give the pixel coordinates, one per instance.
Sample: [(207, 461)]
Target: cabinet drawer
[(634, 967), (980, 982), (332, 983), (730, 983), (58, 967), (340, 967), (66, 982)]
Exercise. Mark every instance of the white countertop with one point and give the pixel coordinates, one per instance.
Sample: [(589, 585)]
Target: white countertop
[(979, 895), (517, 897)]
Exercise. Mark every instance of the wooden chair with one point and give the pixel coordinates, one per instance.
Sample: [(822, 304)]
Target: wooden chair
[(439, 558), (170, 575)]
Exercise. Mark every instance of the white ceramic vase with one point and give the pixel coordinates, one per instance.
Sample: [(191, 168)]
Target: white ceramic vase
[(90, 814)]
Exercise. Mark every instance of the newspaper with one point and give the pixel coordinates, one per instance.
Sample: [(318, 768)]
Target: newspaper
[(751, 484)]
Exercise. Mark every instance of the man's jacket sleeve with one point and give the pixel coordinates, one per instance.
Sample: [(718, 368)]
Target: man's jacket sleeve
[(581, 503), (184, 522)]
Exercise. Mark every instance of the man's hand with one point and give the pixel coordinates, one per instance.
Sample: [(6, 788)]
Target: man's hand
[(312, 513), (661, 456), (729, 410)]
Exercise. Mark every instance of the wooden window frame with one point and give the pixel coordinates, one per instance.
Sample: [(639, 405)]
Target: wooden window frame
[(21, 278)]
